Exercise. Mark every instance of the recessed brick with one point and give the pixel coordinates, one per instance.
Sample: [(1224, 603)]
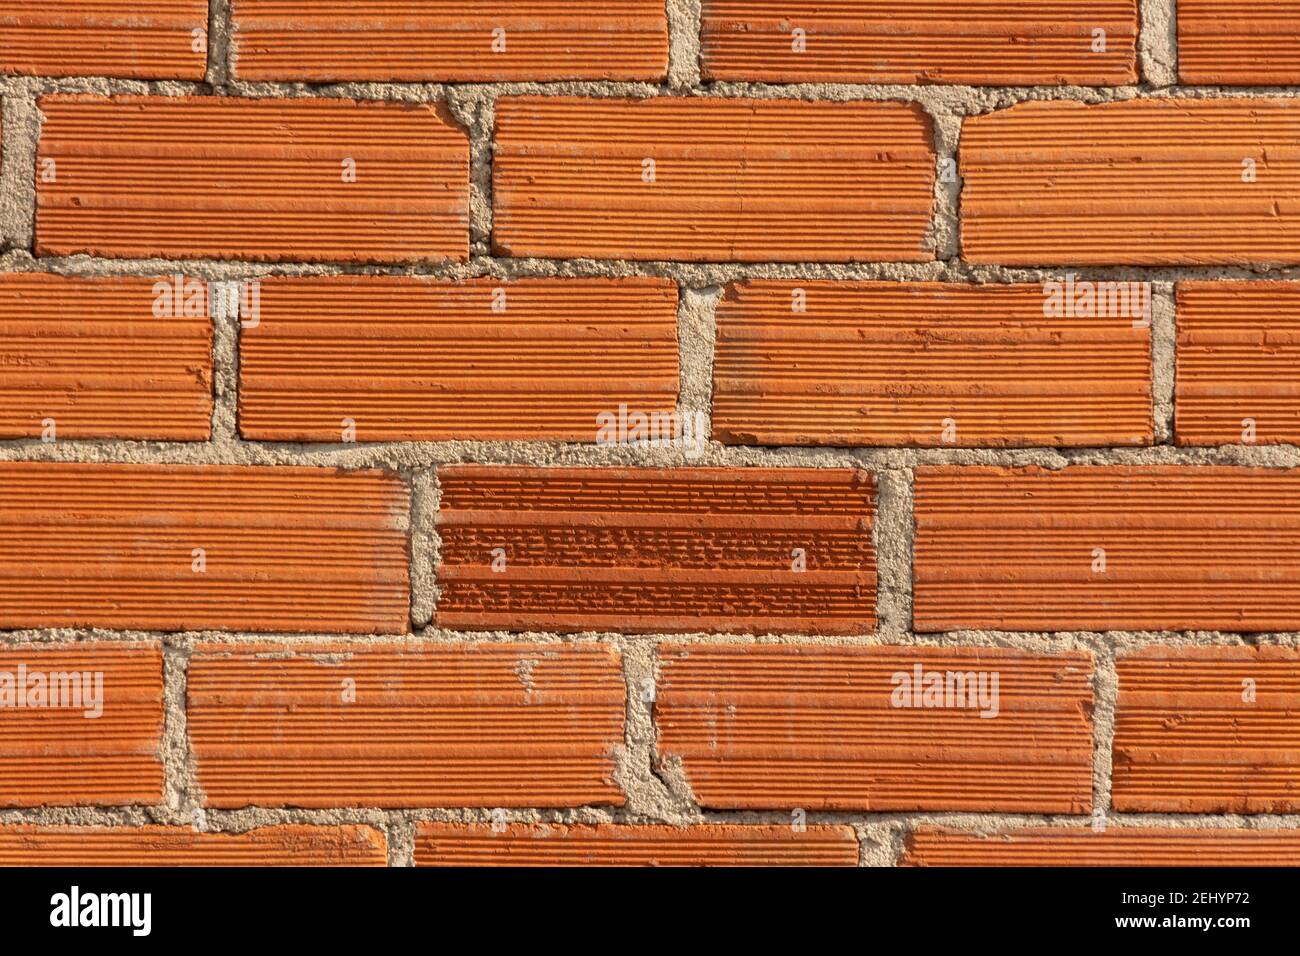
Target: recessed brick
[(458, 844), (657, 550), (1114, 846), (1138, 182), (1010, 43), (450, 40), (196, 177), (494, 725), (1107, 548), (288, 845), (1226, 44), (407, 359), (153, 40), (93, 357), (733, 180), (1208, 730), (886, 363), (1238, 363), (175, 548), (838, 728), (80, 724)]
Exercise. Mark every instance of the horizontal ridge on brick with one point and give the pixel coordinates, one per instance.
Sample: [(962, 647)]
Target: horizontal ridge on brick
[(278, 179), (1223, 42), (930, 364), (175, 548), (1139, 182), (398, 358), (993, 43), (449, 40), (90, 358), (417, 725), (708, 179), (134, 39), (1112, 847), (779, 727), (548, 844), (656, 550), (1098, 548)]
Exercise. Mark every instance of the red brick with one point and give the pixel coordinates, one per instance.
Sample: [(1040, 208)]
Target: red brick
[(659, 550), (458, 844), (213, 177), (1238, 349), (1186, 548), (1138, 182), (1008, 43), (285, 549), (450, 40), (1223, 43), (91, 355), (883, 363), (735, 180), (152, 40), (180, 846), (1208, 730), (493, 725), (786, 726), (1115, 846), (408, 359), (67, 756)]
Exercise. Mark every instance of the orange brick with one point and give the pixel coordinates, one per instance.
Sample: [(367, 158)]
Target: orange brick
[(91, 355), (819, 728), (660, 550), (283, 549), (215, 177), (96, 740), (1208, 730), (450, 40), (409, 359), (180, 846), (152, 40), (1226, 44), (1139, 182), (496, 725), (734, 180), (1008, 43), (1115, 846), (882, 363), (457, 844), (1190, 548), (1238, 349)]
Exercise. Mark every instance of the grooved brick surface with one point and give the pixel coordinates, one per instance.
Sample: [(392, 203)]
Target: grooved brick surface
[(1107, 548), (189, 548), (140, 39), (779, 727), (1238, 363), (458, 844), (995, 42), (406, 358), (660, 550), (450, 40), (1225, 43), (80, 724), (1208, 730), (288, 845), (93, 356), (219, 177), (923, 364), (1139, 182), (733, 179), (495, 725), (1115, 846)]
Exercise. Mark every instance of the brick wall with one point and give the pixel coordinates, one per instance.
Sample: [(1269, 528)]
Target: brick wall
[(325, 339)]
